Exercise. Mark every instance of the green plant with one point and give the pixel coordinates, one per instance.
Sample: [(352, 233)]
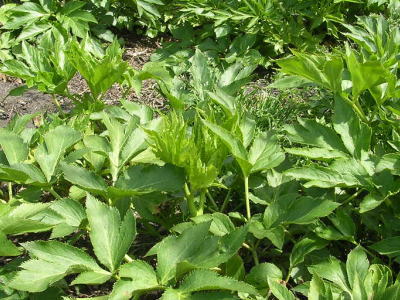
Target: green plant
[(30, 19)]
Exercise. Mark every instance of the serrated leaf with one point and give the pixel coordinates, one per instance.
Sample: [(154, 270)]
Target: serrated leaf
[(234, 145), (53, 261), (92, 277), (357, 265), (84, 179), (203, 280), (145, 179), (258, 275), (265, 153), (14, 147), (389, 246), (304, 247), (135, 276), (280, 291), (332, 270), (7, 248), (60, 254), (196, 247), (37, 276), (56, 142), (111, 237)]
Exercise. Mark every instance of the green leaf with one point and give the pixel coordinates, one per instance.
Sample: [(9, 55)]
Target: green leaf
[(358, 71), (259, 275), (324, 70), (303, 210), (332, 270), (328, 177), (99, 73), (111, 237), (389, 246), (221, 224), (304, 247), (14, 147), (234, 145), (265, 153), (23, 173), (355, 135), (145, 179), (318, 290), (312, 133), (37, 276), (203, 280), (280, 291), (195, 247), (92, 277), (69, 215), (7, 248), (56, 142), (357, 266), (84, 179), (135, 276), (54, 260), (289, 82), (19, 219), (317, 153), (343, 221), (32, 31)]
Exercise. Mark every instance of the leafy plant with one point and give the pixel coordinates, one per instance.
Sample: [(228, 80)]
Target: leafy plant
[(33, 18)]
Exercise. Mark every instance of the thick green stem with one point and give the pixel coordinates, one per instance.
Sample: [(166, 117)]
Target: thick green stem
[(55, 194), (247, 198), (190, 201), (200, 210)]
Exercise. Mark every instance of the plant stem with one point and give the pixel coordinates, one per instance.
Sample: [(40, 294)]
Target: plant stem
[(55, 194), (128, 259), (10, 192), (55, 101), (254, 253), (288, 275), (247, 198), (75, 238), (200, 210), (212, 200), (353, 196), (190, 201), (225, 203)]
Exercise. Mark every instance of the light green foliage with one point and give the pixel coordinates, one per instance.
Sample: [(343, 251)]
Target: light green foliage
[(110, 234), (191, 148), (43, 67), (357, 280), (197, 202), (347, 148), (56, 142), (53, 261), (100, 73), (35, 18)]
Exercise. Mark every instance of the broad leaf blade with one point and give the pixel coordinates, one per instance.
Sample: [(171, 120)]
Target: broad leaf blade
[(111, 237)]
